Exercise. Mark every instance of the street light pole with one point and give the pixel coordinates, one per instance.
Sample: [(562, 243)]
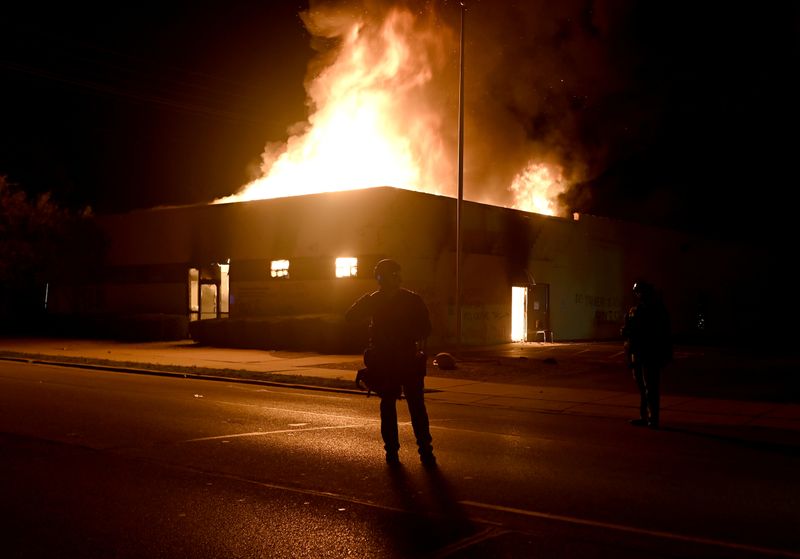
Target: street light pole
[(459, 240)]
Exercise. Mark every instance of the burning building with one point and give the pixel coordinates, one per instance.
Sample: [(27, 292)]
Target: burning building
[(525, 276), (302, 238)]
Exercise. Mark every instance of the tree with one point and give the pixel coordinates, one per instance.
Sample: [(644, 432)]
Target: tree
[(40, 243)]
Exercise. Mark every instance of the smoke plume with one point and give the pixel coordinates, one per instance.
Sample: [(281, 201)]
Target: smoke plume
[(543, 100)]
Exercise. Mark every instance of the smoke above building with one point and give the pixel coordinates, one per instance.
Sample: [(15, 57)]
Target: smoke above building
[(543, 103)]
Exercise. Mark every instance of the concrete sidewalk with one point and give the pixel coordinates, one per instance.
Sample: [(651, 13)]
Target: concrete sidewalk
[(336, 372)]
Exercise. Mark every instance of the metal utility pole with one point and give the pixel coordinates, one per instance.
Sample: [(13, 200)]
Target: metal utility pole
[(460, 179)]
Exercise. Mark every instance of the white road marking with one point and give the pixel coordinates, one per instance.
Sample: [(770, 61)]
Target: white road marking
[(460, 545), (634, 530), (290, 410), (489, 533), (305, 491), (278, 432)]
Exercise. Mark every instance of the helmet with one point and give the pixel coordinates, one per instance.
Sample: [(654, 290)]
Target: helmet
[(386, 268), (642, 287)]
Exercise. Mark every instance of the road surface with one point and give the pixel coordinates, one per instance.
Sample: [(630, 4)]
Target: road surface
[(99, 464)]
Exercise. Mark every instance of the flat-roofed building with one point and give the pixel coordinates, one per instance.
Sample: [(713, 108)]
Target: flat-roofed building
[(524, 276)]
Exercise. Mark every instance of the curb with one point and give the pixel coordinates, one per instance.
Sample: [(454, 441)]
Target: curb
[(173, 374)]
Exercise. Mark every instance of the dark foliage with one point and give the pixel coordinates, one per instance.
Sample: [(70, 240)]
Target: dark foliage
[(40, 243)]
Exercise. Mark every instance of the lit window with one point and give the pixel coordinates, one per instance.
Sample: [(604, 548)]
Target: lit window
[(279, 268), (346, 267)]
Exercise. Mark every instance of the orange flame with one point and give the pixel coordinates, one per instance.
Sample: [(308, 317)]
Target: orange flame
[(376, 122), (536, 188)]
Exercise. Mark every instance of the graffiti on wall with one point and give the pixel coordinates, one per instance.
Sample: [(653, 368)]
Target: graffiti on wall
[(606, 309)]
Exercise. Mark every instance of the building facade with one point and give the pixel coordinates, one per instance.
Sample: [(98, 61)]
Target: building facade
[(524, 276)]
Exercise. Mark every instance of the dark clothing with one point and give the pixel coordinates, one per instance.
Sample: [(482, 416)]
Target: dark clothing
[(399, 320), (413, 389), (647, 333), (648, 349), (648, 381)]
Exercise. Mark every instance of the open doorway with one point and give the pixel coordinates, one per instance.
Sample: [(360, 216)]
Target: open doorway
[(519, 314), (209, 289), (530, 313)]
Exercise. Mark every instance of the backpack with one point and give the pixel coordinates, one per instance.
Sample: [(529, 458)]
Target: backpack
[(378, 374), (370, 380)]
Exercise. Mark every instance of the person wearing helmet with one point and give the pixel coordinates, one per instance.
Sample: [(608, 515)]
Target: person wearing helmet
[(399, 324), (648, 349)]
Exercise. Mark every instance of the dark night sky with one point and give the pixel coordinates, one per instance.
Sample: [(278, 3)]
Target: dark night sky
[(685, 114)]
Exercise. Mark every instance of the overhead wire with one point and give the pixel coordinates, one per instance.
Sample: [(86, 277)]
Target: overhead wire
[(125, 93), (181, 93)]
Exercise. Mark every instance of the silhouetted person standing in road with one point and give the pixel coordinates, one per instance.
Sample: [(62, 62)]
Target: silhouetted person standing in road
[(399, 323), (648, 349)]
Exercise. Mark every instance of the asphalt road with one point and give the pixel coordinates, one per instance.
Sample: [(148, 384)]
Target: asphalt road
[(99, 464)]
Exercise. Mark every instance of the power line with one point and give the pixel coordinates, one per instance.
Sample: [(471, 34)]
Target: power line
[(132, 95), (181, 89)]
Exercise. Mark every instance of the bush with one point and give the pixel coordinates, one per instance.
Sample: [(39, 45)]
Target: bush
[(318, 333), (139, 327)]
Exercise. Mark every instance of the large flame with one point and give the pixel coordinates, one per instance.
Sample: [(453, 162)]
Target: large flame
[(375, 122), (536, 188)]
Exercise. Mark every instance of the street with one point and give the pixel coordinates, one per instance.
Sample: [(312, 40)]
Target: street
[(99, 464)]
